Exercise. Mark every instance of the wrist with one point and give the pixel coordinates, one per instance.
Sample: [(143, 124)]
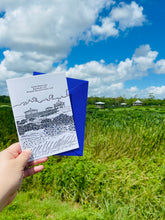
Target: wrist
[(2, 201), (4, 195)]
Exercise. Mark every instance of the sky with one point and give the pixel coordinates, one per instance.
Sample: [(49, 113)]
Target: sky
[(118, 46)]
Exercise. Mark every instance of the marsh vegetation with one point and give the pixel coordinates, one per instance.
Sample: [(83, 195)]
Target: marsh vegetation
[(120, 176)]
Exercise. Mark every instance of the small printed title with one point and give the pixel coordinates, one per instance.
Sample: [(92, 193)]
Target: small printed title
[(39, 88)]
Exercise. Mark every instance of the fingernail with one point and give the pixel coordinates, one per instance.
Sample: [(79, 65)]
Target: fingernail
[(28, 151)]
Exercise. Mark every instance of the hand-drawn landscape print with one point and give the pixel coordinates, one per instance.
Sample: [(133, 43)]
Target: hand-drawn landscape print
[(45, 123)]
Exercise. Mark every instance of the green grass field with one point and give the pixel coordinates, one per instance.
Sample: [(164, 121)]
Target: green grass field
[(120, 176)]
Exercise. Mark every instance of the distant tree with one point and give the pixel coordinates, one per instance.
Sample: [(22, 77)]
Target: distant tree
[(135, 96), (163, 102), (130, 101), (151, 96), (109, 101), (4, 99), (119, 100)]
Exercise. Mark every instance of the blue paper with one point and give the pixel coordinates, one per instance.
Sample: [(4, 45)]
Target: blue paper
[(78, 90)]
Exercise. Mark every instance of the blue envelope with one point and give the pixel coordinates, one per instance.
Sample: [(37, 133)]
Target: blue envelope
[(78, 90)]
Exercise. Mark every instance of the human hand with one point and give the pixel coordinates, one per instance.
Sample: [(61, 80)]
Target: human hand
[(14, 166)]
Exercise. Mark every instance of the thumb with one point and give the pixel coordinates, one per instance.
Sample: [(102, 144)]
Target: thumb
[(24, 157)]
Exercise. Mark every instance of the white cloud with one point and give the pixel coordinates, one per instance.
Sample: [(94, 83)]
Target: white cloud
[(144, 57), (159, 92), (112, 90), (5, 74), (10, 4), (3, 86), (108, 79), (20, 62), (120, 18), (52, 27), (160, 67), (136, 67), (40, 33), (104, 79), (107, 29), (128, 15), (116, 90)]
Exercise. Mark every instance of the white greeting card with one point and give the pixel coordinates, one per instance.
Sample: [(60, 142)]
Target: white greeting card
[(43, 114)]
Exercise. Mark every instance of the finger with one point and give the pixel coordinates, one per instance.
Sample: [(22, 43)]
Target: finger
[(23, 158), (33, 170), (14, 150), (35, 162)]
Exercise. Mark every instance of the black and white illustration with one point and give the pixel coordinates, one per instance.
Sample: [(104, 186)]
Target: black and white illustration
[(43, 114)]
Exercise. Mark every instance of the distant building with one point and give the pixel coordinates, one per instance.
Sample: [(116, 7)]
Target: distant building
[(31, 113), (138, 103), (49, 108), (123, 104), (59, 104), (100, 104)]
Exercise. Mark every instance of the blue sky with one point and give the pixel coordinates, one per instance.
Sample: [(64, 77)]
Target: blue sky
[(118, 46)]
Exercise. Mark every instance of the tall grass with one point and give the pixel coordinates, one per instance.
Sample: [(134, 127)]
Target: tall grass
[(112, 135)]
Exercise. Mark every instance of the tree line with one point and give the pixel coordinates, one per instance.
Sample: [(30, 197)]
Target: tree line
[(4, 99), (110, 102)]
